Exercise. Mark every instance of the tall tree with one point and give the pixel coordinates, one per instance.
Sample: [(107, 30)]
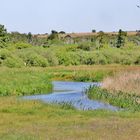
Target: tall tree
[(29, 37), (3, 36), (121, 39), (53, 35)]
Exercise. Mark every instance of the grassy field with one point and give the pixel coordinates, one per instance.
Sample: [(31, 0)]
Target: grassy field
[(28, 64), (33, 120), (94, 73), (34, 80), (18, 82)]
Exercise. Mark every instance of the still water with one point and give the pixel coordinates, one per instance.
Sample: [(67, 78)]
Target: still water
[(72, 93)]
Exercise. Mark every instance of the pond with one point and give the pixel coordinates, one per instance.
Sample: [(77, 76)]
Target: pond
[(72, 93)]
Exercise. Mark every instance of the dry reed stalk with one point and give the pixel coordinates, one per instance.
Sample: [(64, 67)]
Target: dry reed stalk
[(128, 81)]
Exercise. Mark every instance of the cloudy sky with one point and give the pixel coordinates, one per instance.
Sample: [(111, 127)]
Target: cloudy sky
[(41, 16)]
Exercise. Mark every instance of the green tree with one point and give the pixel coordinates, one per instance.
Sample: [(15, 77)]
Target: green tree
[(62, 32), (53, 35), (3, 37), (100, 38), (29, 37), (121, 39), (93, 31)]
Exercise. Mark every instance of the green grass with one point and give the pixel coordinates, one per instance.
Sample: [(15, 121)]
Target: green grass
[(123, 100), (34, 80), (80, 75), (33, 120), (121, 89), (83, 73), (23, 82)]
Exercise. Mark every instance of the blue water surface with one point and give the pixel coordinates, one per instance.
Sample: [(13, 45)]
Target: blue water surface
[(72, 93)]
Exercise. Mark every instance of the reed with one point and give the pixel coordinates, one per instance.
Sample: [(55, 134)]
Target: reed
[(121, 89), (128, 81)]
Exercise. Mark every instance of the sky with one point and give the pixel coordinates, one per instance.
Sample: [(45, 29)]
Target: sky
[(42, 16)]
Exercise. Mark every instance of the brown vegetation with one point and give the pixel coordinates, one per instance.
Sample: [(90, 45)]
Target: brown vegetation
[(128, 81), (87, 34)]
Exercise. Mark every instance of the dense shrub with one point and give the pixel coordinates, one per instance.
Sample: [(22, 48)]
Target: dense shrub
[(51, 57), (35, 60), (13, 62), (137, 60), (22, 45), (69, 58), (86, 46), (8, 59), (5, 54)]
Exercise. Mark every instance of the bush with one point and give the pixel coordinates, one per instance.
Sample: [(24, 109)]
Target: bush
[(51, 57), (35, 60), (3, 44), (13, 62), (86, 46), (69, 58), (22, 45), (5, 54), (9, 60), (137, 61)]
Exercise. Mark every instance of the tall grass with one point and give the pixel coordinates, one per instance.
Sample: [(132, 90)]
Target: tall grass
[(23, 82), (33, 120), (83, 73), (123, 100), (124, 81), (121, 90)]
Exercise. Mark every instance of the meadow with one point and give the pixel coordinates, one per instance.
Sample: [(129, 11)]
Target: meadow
[(34, 120), (29, 63), (37, 80), (19, 82)]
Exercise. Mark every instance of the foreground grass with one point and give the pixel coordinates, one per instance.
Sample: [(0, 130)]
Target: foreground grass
[(23, 82), (33, 120)]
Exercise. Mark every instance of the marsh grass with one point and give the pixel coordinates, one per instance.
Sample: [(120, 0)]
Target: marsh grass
[(121, 89), (127, 81), (122, 100), (87, 73), (35, 120), (15, 82)]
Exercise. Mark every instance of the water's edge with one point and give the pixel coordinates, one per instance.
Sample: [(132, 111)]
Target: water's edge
[(72, 93)]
